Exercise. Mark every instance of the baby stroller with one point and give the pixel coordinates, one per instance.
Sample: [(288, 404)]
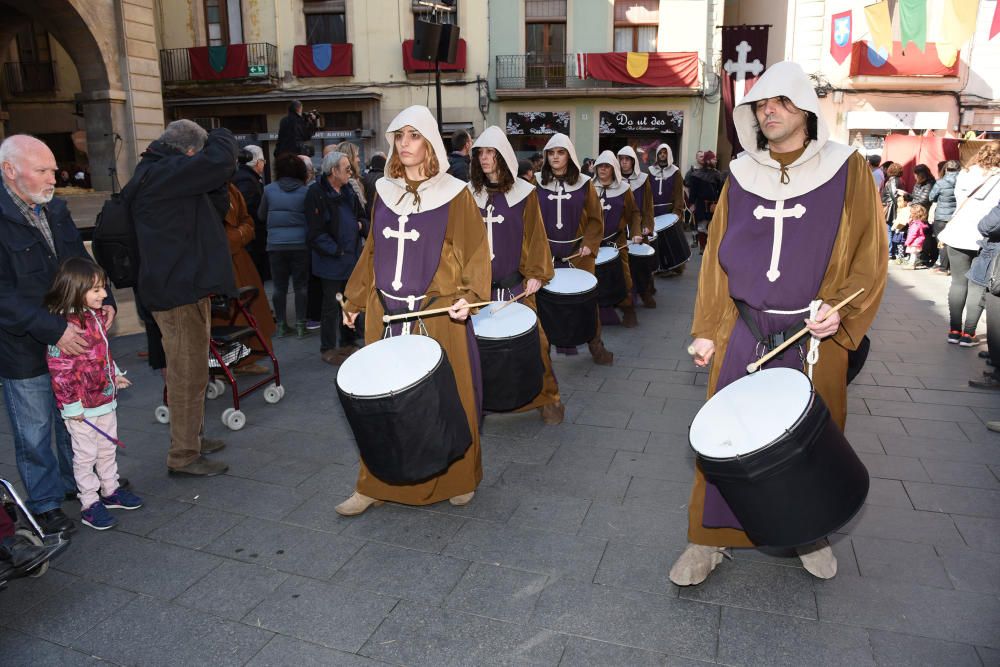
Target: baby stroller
[(226, 348), (27, 527)]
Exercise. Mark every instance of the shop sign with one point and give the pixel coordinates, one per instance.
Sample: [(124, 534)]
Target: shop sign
[(641, 122), (537, 122)]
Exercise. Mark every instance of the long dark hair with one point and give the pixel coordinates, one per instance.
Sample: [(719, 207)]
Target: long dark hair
[(505, 181), (572, 171), (68, 294), (812, 122)]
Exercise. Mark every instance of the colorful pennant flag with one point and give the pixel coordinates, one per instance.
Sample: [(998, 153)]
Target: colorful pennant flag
[(995, 26), (840, 35), (958, 26), (913, 22), (879, 25)]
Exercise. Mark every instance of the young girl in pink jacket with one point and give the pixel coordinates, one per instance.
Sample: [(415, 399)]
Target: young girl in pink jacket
[(86, 387)]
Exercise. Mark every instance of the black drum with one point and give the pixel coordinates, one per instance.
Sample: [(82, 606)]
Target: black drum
[(509, 354), (784, 468), (671, 244), (611, 289), (401, 400), (642, 262), (567, 307)]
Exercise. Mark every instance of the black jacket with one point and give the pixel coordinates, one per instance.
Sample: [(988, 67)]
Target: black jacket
[(294, 132), (251, 186), (368, 183), (458, 166), (336, 222), (27, 268), (183, 251)]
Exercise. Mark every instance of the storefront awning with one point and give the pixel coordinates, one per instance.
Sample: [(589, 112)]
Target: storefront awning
[(897, 120)]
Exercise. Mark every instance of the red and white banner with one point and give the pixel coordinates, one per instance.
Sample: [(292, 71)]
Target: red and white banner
[(841, 26), (660, 70)]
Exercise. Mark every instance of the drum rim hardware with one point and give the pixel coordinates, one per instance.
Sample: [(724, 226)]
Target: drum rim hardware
[(396, 391)]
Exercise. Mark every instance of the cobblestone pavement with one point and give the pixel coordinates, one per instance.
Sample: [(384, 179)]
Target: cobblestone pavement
[(562, 557)]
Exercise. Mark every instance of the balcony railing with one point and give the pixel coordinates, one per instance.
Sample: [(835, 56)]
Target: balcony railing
[(536, 71), (21, 78), (261, 65)]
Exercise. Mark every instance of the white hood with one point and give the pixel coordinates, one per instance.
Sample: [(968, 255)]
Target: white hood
[(493, 137), (560, 140), (663, 172), (619, 186), (754, 169), (435, 191), (638, 176)]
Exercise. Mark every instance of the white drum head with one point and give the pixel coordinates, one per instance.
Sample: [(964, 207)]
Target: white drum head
[(750, 413), (641, 250), (606, 254), (389, 365), (664, 221), (514, 320), (571, 281)]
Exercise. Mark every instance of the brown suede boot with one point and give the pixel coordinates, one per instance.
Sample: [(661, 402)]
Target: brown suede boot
[(601, 355), (629, 320), (553, 413)]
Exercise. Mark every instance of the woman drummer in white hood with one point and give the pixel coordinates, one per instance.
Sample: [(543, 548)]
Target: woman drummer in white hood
[(427, 244), (621, 222), (520, 257), (572, 216)]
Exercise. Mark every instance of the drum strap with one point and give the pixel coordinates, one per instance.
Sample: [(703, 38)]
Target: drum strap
[(508, 281), (770, 341)]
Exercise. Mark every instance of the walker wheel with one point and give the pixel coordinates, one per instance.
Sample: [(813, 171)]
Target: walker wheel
[(281, 389), (37, 541), (162, 414), (273, 393), (226, 413), (235, 420), (215, 389)]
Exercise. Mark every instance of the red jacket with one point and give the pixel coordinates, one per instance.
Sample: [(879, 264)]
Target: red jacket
[(84, 384)]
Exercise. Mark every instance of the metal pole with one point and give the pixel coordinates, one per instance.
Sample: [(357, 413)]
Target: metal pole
[(437, 90)]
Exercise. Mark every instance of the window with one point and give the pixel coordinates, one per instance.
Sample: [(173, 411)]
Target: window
[(224, 22), (435, 11), (545, 43), (326, 21), (636, 25)]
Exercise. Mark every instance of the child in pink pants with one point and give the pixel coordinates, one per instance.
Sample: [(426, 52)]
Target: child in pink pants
[(86, 388)]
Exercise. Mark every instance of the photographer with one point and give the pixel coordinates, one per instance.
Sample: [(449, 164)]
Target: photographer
[(295, 131)]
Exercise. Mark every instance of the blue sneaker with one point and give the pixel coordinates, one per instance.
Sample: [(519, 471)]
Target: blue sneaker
[(97, 517), (122, 500)]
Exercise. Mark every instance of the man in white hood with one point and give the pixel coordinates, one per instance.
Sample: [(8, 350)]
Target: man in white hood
[(798, 227)]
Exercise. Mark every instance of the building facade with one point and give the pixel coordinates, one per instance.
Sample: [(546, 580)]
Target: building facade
[(562, 65), (239, 63)]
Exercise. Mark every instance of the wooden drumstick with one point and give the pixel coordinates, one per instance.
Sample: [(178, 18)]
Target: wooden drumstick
[(573, 256), (341, 300), (778, 350), (431, 311), (503, 305)]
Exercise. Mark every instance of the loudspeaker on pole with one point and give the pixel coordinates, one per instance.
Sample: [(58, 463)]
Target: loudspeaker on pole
[(426, 40)]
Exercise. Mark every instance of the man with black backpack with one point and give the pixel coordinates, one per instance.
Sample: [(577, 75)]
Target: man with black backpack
[(37, 234), (183, 259)]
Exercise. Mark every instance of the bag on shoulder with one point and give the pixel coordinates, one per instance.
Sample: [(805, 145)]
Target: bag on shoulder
[(114, 244)]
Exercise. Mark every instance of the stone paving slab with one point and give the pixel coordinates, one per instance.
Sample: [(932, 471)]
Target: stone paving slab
[(561, 558)]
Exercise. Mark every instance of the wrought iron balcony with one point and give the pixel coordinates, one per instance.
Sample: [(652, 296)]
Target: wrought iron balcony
[(25, 78), (198, 64), (536, 71)]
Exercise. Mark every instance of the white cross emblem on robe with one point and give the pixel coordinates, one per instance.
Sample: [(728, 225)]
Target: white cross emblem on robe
[(559, 196), (739, 69), (606, 207), (660, 178), (779, 214), (489, 220), (402, 237)]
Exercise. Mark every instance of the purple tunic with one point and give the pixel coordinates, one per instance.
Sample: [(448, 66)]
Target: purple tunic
[(745, 256), (663, 194), (508, 239), (613, 208), (562, 241)]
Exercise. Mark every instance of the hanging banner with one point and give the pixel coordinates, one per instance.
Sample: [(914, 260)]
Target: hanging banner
[(660, 70), (913, 22), (879, 25), (958, 26), (866, 61), (840, 36), (209, 63), (641, 122), (995, 25), (744, 57), (323, 60)]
